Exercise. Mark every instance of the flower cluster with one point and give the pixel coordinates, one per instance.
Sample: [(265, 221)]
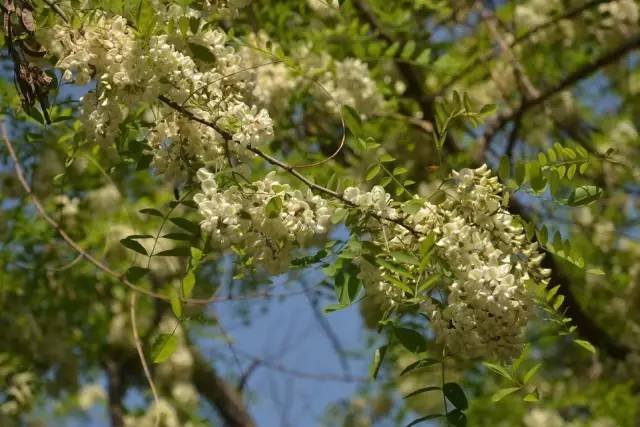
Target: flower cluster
[(264, 220), (337, 83), (487, 258), (349, 82), (489, 298), (483, 253), (324, 8), (133, 70)]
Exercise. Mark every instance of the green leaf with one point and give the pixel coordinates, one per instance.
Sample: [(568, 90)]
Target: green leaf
[(410, 339), (188, 283), (334, 307), (438, 197), (152, 212), (422, 363), (178, 236), (558, 302), (196, 256), (428, 283), (378, 357), (504, 392), (140, 236), (504, 170), (457, 418), (520, 172), (163, 347), (202, 53), (405, 257), (500, 370), (176, 304), (347, 285), (536, 179), (178, 251), (552, 292), (420, 391), (339, 215), (584, 195), (596, 271), (274, 207), (186, 224), (400, 171), (454, 393), (408, 49), (488, 108), (586, 345), (372, 172), (135, 273), (134, 246), (531, 397), (352, 119), (424, 57), (530, 373)]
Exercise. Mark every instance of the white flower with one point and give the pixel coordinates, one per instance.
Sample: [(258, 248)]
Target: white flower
[(267, 221)]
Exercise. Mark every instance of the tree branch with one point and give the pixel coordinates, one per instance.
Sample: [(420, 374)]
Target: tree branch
[(518, 40), (115, 391), (576, 76), (221, 395)]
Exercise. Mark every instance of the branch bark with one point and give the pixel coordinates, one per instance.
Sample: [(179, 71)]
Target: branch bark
[(115, 391), (509, 114), (227, 401)]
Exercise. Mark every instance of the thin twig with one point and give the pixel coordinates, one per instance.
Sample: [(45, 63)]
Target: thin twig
[(43, 213), (143, 361), (54, 6), (282, 165)]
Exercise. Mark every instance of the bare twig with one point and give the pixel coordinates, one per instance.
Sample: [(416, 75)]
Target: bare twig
[(328, 331), (143, 361), (54, 6)]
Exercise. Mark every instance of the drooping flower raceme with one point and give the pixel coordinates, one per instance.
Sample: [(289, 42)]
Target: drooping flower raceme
[(486, 258), (333, 82), (132, 71), (482, 252), (265, 220)]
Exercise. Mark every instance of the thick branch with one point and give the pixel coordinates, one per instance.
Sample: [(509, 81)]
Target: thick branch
[(115, 391), (587, 328), (221, 395), (518, 40), (573, 78)]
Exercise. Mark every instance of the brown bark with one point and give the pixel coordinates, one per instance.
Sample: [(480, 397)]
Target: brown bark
[(226, 399)]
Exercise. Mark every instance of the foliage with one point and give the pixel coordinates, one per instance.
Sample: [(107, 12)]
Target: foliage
[(443, 166)]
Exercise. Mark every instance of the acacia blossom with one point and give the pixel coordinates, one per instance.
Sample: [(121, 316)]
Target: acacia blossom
[(132, 71), (333, 82), (265, 220), (488, 266), (488, 263)]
